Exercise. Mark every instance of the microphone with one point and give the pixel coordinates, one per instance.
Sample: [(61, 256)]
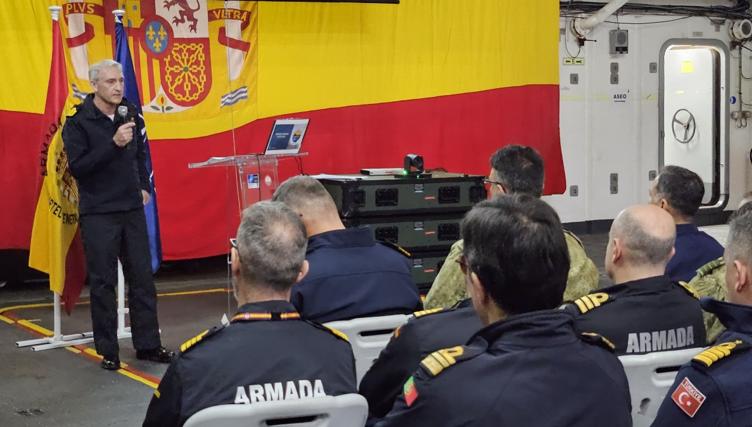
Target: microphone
[(122, 111)]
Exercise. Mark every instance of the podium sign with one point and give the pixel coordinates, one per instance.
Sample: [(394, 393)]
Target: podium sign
[(256, 174)]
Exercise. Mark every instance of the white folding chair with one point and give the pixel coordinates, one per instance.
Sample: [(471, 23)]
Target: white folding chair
[(368, 336), (347, 410), (650, 376)]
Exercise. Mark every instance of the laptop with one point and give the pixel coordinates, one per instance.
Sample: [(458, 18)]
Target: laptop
[(287, 136)]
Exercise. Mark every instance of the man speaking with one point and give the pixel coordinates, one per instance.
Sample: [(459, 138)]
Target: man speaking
[(106, 155)]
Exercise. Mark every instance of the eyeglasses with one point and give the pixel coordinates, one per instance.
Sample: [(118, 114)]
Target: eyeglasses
[(234, 242), (462, 261), (491, 182)]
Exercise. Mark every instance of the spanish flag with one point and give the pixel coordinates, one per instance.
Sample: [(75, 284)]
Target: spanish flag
[(56, 246)]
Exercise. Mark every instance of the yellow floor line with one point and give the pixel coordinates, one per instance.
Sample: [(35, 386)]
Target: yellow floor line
[(35, 327), (88, 350), (133, 376)]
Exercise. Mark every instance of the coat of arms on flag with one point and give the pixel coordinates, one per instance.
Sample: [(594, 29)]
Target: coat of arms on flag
[(192, 59)]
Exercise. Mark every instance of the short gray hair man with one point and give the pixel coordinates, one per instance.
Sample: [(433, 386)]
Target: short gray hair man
[(105, 63), (270, 248)]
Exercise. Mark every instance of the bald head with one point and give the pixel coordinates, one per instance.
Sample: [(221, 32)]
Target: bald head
[(646, 234)]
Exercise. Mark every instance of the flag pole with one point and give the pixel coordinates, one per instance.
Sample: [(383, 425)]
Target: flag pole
[(122, 310), (57, 339)]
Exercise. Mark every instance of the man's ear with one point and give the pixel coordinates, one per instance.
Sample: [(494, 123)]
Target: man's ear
[(663, 204), (741, 276), (303, 271), (478, 291), (234, 262), (618, 250)]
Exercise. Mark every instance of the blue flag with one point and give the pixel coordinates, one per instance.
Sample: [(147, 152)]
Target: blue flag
[(123, 56)]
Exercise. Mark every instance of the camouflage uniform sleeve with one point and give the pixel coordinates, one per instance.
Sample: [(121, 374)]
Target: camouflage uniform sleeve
[(710, 281), (583, 274), (449, 285)]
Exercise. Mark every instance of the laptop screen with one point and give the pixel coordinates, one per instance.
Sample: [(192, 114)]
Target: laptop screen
[(287, 136)]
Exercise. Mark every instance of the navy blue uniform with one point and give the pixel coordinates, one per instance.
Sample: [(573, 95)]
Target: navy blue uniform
[(715, 388), (423, 334), (110, 180), (351, 275), (267, 353), (694, 248), (531, 369), (643, 316)]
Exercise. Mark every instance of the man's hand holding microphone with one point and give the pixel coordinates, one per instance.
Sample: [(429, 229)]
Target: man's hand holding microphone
[(124, 133)]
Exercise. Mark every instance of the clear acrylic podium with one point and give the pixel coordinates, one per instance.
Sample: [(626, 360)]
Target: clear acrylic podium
[(256, 173)]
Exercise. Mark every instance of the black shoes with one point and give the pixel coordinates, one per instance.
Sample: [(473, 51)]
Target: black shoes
[(111, 364), (159, 355)]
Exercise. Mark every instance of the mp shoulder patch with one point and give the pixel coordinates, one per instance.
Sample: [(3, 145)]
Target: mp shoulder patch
[(721, 351), (439, 360), (592, 301)]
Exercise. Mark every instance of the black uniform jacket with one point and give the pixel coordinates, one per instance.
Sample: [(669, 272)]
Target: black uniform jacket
[(267, 353), (643, 316), (715, 388), (426, 332), (109, 178), (531, 369)]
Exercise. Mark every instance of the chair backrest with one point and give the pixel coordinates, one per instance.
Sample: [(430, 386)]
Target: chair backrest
[(368, 336), (650, 376), (347, 410)]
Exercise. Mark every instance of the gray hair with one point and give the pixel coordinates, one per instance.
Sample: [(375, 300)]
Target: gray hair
[(739, 244), (643, 248), (271, 244), (105, 63), (303, 193)]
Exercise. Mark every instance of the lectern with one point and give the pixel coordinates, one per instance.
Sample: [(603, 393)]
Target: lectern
[(256, 173)]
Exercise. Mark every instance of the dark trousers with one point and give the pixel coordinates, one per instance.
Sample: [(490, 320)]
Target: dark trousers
[(107, 237)]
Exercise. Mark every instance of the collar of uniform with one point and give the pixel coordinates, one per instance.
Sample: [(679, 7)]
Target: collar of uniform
[(533, 329), (349, 237), (682, 229), (467, 302), (92, 112), (648, 284), (273, 306), (735, 317)]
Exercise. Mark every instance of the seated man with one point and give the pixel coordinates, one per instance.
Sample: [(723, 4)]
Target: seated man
[(528, 366), (644, 311), (514, 169), (351, 275), (714, 388), (679, 192), (267, 352), (410, 343)]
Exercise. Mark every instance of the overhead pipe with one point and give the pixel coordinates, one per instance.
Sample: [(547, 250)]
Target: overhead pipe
[(582, 26)]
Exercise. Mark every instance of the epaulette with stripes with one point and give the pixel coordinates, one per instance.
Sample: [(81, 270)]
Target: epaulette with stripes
[(397, 248), (429, 311), (336, 332), (597, 339), (189, 344), (710, 267), (720, 351), (592, 301), (436, 362), (689, 289)]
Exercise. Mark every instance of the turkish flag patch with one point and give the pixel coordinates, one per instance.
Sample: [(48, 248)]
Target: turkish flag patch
[(688, 398)]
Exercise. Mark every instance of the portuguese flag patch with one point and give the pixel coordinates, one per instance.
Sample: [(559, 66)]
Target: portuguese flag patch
[(409, 391)]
